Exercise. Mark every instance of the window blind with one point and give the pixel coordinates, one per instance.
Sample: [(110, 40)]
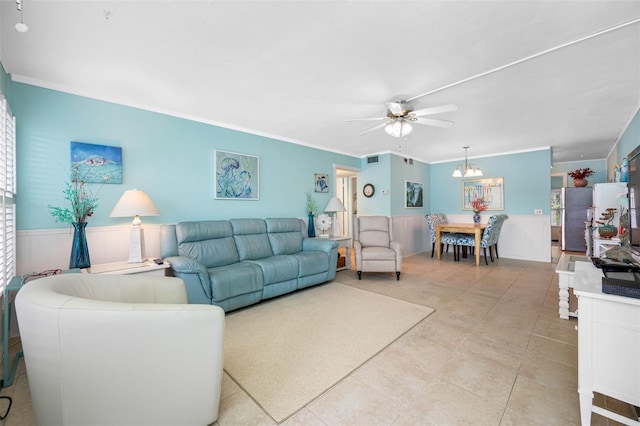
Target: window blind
[(7, 194)]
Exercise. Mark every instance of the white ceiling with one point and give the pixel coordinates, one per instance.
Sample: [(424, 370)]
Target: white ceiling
[(297, 70)]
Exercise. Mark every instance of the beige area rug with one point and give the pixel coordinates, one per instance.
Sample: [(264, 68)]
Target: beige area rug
[(286, 352)]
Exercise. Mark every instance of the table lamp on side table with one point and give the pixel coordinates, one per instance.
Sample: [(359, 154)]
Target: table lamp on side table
[(136, 203), (334, 206)]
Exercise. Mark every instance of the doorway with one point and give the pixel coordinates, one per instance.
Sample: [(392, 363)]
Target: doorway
[(346, 179)]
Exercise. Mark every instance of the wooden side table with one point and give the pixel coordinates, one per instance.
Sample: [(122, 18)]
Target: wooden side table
[(148, 267), (344, 242)]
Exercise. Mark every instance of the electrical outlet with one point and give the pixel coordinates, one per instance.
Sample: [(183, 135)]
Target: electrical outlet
[(538, 211)]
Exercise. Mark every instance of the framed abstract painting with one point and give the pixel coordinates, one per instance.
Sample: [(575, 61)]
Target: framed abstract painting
[(413, 194)]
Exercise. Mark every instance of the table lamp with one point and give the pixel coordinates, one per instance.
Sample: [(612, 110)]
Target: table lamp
[(334, 206), (136, 203)]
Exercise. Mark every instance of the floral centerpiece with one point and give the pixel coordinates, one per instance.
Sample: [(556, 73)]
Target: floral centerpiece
[(580, 176), (83, 203), (478, 206)]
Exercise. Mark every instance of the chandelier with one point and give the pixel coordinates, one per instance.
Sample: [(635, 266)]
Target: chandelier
[(466, 169), (398, 128)]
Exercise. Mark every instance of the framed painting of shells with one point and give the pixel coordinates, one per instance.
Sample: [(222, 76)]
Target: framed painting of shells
[(96, 163)]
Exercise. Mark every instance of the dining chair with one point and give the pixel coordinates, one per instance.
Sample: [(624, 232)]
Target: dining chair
[(489, 237), (447, 238)]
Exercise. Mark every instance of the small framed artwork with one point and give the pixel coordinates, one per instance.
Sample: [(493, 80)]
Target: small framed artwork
[(490, 191), (236, 176), (96, 163), (321, 182), (413, 194)]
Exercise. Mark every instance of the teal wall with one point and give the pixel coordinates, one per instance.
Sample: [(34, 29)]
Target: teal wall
[(379, 175), (388, 176), (170, 158), (630, 138), (527, 183), (401, 172), (598, 166)]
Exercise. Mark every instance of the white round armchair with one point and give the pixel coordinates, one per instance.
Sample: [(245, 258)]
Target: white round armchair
[(119, 349)]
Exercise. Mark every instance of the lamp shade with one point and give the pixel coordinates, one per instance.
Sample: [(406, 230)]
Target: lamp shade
[(334, 205), (134, 202)]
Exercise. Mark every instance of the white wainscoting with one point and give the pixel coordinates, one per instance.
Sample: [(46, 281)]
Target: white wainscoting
[(522, 237), (41, 249)]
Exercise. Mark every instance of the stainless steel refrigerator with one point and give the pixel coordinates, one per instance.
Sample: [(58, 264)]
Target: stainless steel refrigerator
[(575, 206)]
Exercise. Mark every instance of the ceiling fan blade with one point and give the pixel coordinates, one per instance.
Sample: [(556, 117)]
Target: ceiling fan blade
[(367, 119), (433, 122), (394, 107), (373, 128), (435, 110)]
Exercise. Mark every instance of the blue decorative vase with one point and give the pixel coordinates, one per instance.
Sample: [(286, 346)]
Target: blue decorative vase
[(312, 228), (79, 248), (476, 219)]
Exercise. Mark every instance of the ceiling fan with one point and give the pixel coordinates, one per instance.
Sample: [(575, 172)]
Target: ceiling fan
[(400, 116)]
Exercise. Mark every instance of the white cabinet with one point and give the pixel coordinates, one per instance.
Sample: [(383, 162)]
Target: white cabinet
[(601, 245), (566, 271), (608, 345)]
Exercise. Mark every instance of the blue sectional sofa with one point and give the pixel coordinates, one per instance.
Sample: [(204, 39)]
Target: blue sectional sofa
[(238, 262)]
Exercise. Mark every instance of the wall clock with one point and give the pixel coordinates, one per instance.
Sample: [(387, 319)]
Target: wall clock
[(368, 190)]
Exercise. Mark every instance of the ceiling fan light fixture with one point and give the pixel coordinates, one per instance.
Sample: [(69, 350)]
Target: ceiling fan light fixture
[(398, 128), (21, 27)]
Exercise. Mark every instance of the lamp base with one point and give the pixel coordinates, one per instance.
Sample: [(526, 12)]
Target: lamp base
[(136, 245)]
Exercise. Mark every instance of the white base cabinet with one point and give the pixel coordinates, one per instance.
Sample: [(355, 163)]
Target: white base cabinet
[(608, 345)]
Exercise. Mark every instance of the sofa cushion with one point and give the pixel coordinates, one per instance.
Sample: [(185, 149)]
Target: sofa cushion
[(277, 269), (374, 231), (234, 280), (251, 238), (311, 262), (210, 242), (285, 235)]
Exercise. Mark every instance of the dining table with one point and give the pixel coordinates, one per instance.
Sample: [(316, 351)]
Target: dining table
[(460, 228)]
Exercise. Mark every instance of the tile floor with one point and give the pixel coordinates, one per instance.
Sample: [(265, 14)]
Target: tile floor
[(493, 353)]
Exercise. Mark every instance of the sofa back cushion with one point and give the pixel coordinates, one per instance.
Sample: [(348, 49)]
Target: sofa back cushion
[(210, 242), (251, 238), (285, 235), (374, 231)]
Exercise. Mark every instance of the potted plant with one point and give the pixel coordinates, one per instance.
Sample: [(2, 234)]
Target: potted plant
[(606, 229), (579, 176)]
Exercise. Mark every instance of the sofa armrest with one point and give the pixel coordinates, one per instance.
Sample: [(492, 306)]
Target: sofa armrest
[(316, 244), (195, 276), (397, 247)]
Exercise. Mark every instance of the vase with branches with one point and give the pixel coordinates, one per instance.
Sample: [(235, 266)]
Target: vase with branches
[(83, 203)]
